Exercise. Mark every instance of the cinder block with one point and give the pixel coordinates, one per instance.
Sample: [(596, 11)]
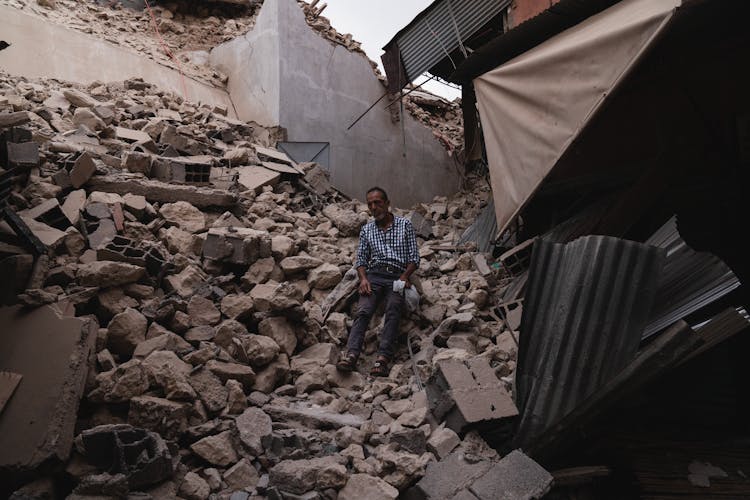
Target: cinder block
[(515, 477), (237, 245), (447, 478)]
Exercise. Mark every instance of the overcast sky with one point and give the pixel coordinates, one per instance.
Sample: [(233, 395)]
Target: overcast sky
[(374, 23)]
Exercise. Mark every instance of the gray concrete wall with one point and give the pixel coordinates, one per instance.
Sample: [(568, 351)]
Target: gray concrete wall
[(252, 61), (43, 49), (322, 89)]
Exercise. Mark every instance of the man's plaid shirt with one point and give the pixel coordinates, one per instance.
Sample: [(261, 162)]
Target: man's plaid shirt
[(396, 246)]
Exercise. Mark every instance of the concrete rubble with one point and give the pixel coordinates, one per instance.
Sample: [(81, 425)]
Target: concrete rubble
[(223, 300)]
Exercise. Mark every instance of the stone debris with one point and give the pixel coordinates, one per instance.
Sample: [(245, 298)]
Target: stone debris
[(223, 308)]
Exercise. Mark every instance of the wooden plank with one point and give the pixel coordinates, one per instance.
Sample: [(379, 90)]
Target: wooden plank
[(8, 383)]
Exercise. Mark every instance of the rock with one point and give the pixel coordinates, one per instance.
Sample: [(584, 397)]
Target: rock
[(86, 117), (136, 162), (347, 222), (396, 408), (315, 356), (275, 296), (227, 331), (411, 440), (299, 476), (200, 334), (166, 342), (217, 450), (347, 380), (126, 331), (237, 306), (311, 380), (241, 475), (254, 425), (298, 264), (236, 399), (109, 273), (282, 247), (184, 215), (260, 350), (366, 487), (210, 390), (324, 277), (168, 418), (259, 272), (194, 487), (186, 282), (127, 381), (179, 241), (202, 311), (317, 418), (234, 371), (442, 441), (267, 379), (279, 329), (79, 99)]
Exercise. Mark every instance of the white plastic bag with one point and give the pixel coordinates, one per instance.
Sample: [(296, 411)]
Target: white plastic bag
[(412, 298)]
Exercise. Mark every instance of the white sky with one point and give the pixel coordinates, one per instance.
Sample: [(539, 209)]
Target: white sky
[(374, 23)]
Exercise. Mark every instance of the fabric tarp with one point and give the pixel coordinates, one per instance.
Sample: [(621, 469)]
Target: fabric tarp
[(533, 106)]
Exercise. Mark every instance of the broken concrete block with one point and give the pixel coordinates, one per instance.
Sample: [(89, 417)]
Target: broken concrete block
[(82, 170), (422, 227), (254, 426), (183, 169), (367, 487), (86, 117), (299, 476), (126, 331), (202, 311), (275, 296), (128, 135), (14, 119), (120, 385), (217, 450), (104, 233), (73, 205), (237, 306), (186, 282), (162, 192), (165, 342), (466, 393), (279, 329), (442, 441), (324, 277), (448, 477), (38, 420), (316, 356), (168, 418), (298, 264), (141, 455), (318, 180), (194, 487), (79, 99), (184, 215), (211, 391), (23, 155), (515, 477), (241, 475), (50, 213), (136, 162), (237, 245), (234, 371), (109, 273)]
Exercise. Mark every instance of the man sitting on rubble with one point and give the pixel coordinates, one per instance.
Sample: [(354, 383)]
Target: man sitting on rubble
[(387, 254)]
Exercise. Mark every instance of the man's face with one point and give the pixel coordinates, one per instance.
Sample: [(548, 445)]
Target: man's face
[(377, 206)]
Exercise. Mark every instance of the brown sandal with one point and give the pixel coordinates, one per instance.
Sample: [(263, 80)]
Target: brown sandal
[(380, 368), (347, 363)]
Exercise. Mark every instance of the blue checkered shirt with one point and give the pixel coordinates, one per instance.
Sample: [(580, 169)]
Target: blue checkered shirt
[(395, 247)]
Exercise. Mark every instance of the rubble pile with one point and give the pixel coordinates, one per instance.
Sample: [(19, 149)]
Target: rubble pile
[(186, 29), (444, 117), (221, 276)]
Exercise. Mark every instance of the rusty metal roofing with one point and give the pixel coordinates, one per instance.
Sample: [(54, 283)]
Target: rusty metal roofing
[(586, 306), (440, 29)]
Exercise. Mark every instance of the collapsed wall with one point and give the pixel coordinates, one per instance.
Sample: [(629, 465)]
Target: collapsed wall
[(283, 73)]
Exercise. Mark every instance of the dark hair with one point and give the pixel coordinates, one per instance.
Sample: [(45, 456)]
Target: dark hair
[(380, 189)]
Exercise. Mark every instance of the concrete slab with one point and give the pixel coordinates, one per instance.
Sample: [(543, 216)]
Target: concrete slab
[(280, 167), (254, 178), (515, 477), (52, 355)]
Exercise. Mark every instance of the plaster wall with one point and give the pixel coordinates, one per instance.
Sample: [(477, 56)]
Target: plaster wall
[(252, 63), (43, 49), (322, 89)]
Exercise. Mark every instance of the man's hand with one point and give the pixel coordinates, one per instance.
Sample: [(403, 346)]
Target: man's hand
[(364, 286), (405, 278)]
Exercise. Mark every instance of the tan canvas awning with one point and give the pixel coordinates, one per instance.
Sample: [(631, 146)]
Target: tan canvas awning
[(533, 106)]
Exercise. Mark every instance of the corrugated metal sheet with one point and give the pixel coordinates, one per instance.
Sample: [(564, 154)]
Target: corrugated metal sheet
[(691, 280), (483, 230), (432, 34), (585, 309)]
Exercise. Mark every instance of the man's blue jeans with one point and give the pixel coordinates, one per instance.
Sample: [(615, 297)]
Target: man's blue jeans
[(382, 287)]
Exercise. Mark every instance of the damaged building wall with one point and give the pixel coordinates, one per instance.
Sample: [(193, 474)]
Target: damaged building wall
[(322, 89), (40, 48)]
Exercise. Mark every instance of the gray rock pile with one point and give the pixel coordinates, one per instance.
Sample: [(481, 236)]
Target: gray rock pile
[(224, 299)]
